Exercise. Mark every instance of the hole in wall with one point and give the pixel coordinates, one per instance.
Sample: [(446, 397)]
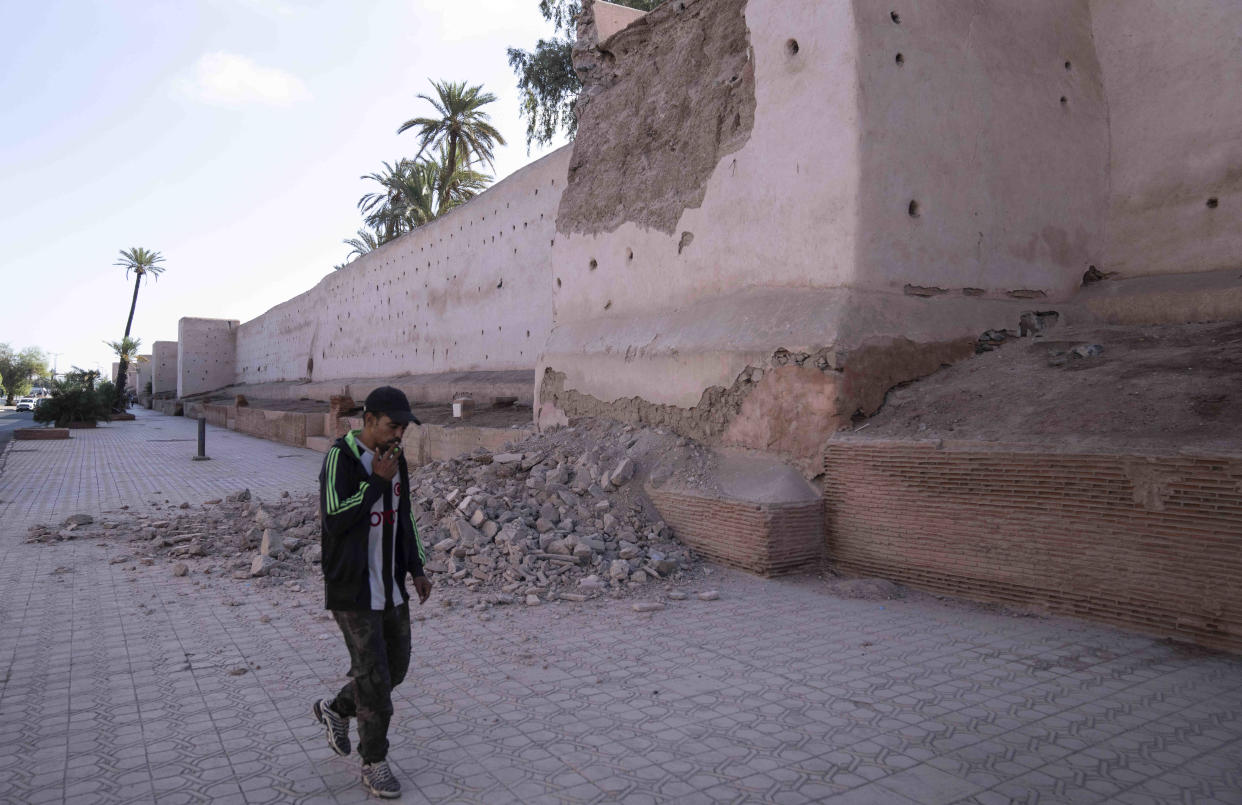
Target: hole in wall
[(913, 209), (895, 17), (1213, 203), (558, 282), (608, 304), (594, 264), (901, 59), (1092, 275), (629, 254), (1068, 66), (1064, 100), (792, 47)]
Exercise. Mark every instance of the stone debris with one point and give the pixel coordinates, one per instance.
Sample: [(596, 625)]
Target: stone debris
[(180, 569), (1087, 351), (558, 516), (709, 595)]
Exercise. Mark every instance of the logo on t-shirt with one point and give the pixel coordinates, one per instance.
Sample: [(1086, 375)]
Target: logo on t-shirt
[(389, 516)]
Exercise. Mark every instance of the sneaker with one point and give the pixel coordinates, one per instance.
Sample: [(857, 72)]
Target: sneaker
[(377, 778), (335, 727)]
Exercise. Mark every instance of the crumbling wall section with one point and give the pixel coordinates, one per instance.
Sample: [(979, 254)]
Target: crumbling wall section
[(790, 403), (662, 101)]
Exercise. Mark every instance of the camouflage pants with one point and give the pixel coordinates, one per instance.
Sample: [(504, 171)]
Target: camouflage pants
[(379, 655)]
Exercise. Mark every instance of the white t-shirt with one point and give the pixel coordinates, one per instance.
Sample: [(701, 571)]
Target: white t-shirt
[(375, 539)]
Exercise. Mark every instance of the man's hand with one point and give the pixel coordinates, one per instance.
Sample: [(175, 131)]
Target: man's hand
[(423, 587), (385, 464)]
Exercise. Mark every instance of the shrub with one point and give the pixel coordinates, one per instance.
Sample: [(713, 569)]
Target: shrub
[(76, 399)]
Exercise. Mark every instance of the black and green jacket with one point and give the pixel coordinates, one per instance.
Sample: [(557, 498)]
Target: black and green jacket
[(346, 495)]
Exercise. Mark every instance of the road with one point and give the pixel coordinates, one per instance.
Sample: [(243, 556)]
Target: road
[(11, 420)]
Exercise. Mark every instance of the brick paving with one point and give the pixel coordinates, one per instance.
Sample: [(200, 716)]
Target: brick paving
[(140, 462), (123, 683)]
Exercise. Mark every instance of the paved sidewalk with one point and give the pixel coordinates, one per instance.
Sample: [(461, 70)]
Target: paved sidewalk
[(141, 462), (122, 683)]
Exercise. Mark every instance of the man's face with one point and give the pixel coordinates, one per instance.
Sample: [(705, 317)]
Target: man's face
[(385, 433)]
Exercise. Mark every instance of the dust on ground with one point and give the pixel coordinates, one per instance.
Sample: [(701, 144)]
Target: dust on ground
[(1151, 387)]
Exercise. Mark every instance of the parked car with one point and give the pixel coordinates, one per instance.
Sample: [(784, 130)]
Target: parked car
[(25, 404)]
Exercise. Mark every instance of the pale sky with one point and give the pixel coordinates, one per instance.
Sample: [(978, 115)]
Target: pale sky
[(229, 135)]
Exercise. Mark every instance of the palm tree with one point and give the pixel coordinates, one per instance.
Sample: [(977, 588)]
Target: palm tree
[(457, 185), (143, 263), (364, 243), (126, 352), (126, 349), (462, 126), (416, 192), (406, 200)]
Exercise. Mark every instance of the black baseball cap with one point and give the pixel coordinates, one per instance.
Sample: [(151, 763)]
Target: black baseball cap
[(391, 401)]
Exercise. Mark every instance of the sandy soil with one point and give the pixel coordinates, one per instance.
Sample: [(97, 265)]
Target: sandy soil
[(1158, 387)]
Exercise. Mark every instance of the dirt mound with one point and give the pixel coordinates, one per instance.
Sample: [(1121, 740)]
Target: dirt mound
[(1155, 387)]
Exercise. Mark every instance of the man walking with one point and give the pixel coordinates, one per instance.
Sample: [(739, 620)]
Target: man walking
[(370, 541)]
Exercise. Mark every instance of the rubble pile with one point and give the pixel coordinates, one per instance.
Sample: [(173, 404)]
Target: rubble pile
[(556, 515), (235, 535), (560, 514)]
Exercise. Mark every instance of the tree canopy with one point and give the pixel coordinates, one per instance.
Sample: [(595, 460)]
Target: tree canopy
[(17, 369), (460, 124), (414, 192), (547, 84), (126, 349)]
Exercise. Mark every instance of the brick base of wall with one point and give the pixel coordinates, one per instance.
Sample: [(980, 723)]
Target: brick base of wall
[(764, 538), (218, 415), (1152, 543), (286, 427), (168, 407), (40, 434)]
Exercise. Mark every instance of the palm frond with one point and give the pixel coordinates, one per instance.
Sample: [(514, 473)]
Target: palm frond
[(142, 262)]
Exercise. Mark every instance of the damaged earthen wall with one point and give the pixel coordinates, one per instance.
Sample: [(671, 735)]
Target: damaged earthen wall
[(664, 320), (807, 237), (775, 210), (668, 96)]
